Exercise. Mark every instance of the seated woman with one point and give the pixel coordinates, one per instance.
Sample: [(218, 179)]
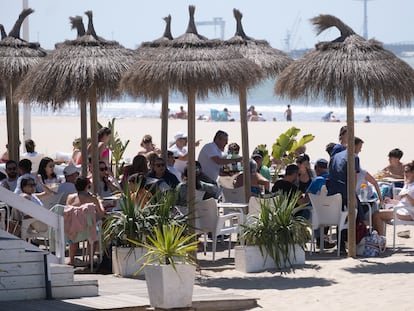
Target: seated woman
[(148, 146), (139, 165), (305, 172), (406, 197), (257, 181), (138, 193), (28, 187), (47, 172)]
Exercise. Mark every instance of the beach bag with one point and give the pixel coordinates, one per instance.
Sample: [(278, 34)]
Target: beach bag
[(372, 245), (361, 231)]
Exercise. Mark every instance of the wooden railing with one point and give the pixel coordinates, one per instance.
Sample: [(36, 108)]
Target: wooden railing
[(51, 219)]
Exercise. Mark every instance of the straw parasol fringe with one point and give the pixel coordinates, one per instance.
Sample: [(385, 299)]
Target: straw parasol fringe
[(88, 68), (271, 61), (17, 56), (349, 61), (149, 48), (340, 70)]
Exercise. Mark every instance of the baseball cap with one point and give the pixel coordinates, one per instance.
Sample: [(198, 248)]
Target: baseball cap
[(70, 169), (257, 154), (180, 135), (322, 163)]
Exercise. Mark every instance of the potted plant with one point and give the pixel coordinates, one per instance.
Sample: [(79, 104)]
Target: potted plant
[(135, 221), (169, 266), (275, 238), (284, 150)]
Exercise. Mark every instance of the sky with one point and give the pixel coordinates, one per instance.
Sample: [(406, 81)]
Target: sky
[(131, 22)]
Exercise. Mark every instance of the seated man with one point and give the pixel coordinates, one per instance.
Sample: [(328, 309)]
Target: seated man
[(287, 185)]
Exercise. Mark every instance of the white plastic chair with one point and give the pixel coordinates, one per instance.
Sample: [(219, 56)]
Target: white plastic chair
[(4, 216), (207, 219), (254, 206), (327, 211), (396, 221), (34, 229)]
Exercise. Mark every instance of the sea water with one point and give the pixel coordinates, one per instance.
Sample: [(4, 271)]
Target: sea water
[(270, 106)]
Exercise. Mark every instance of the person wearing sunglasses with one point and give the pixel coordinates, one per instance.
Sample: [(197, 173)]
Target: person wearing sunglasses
[(11, 181), (28, 188), (107, 183), (148, 146), (163, 175)]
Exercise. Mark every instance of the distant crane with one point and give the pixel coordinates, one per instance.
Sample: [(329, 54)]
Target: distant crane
[(365, 28), (216, 22), (291, 34)]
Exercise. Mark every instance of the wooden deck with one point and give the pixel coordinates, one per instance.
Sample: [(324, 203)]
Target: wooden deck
[(129, 294)]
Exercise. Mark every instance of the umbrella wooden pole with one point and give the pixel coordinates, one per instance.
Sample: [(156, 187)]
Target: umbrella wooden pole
[(164, 123), (191, 178), (94, 139), (351, 175), (16, 128), (10, 129), (245, 143), (84, 137)]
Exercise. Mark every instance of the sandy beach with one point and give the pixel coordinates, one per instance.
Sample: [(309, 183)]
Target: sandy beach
[(55, 134), (327, 282)]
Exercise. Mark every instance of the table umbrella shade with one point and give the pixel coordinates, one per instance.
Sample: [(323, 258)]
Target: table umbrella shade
[(88, 68), (341, 70), (17, 56), (194, 66), (271, 61)]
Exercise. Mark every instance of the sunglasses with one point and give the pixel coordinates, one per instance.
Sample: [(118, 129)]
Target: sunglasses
[(147, 141), (14, 168), (103, 169), (30, 184), (160, 165)]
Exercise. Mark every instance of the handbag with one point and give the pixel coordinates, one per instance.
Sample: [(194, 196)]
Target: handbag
[(373, 245)]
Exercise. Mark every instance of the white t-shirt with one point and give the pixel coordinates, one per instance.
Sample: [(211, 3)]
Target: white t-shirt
[(408, 189), (179, 164), (210, 168)]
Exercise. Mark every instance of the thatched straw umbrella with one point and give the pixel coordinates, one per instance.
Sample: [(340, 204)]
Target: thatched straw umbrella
[(271, 61), (86, 69), (341, 69), (17, 56), (194, 66), (145, 50)]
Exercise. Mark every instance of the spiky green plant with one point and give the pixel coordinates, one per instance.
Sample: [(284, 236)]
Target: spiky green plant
[(277, 229), (168, 246), (137, 219)]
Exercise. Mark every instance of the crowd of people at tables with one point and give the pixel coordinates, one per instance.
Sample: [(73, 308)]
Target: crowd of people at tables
[(148, 168)]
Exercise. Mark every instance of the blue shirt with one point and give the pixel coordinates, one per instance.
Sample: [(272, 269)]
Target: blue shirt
[(317, 183), (338, 174)]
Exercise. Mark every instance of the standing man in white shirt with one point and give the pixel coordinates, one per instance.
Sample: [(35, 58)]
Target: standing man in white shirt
[(211, 155)]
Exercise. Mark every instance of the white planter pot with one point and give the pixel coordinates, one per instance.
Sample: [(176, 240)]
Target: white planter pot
[(168, 288), (249, 259), (124, 260)]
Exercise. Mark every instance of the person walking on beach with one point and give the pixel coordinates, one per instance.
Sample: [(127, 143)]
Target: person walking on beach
[(211, 155), (288, 114)]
